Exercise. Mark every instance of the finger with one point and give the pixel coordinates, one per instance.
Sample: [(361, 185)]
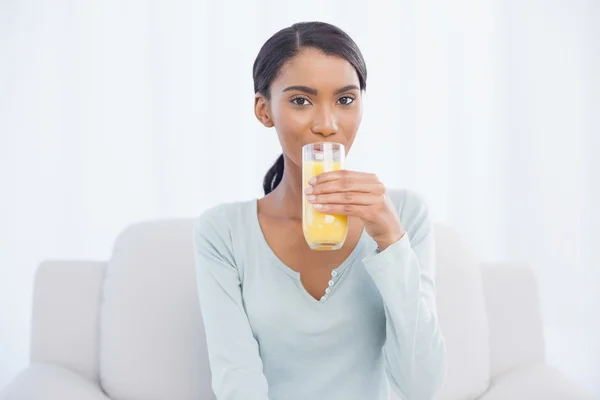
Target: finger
[(359, 198), (355, 210), (347, 184), (340, 174)]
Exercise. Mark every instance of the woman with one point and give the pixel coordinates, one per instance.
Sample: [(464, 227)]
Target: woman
[(272, 332)]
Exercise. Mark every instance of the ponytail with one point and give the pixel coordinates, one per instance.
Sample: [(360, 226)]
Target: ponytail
[(274, 175)]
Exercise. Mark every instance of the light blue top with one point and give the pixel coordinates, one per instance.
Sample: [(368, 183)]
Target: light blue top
[(269, 339)]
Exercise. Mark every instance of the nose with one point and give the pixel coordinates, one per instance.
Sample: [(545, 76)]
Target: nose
[(325, 122)]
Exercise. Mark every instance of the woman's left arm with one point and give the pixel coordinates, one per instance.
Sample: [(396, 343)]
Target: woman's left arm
[(403, 270)]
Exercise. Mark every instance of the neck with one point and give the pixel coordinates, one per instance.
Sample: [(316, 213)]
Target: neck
[(286, 199)]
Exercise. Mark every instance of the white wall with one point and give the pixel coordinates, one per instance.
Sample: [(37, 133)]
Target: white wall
[(113, 112)]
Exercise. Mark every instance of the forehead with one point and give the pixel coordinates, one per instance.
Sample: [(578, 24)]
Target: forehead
[(313, 68)]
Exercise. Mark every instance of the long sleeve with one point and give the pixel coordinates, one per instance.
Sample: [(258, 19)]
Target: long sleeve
[(404, 273), (236, 366)]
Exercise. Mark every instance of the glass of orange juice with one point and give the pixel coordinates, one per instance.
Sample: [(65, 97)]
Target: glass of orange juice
[(322, 231)]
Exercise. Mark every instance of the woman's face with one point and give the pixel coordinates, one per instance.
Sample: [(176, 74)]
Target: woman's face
[(314, 98)]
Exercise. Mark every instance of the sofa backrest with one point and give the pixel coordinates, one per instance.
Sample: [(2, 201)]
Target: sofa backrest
[(462, 317), (152, 343)]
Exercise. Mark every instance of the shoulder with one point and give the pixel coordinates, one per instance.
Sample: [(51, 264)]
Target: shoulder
[(408, 202), (216, 223), (215, 215), (412, 209), (215, 230)]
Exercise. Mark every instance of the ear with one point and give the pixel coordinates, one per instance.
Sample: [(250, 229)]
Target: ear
[(262, 110)]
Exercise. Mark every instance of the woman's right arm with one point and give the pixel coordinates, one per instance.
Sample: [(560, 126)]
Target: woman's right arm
[(237, 369)]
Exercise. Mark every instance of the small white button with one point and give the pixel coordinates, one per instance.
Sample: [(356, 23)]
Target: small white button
[(328, 290), (331, 283), (334, 273), (323, 299)]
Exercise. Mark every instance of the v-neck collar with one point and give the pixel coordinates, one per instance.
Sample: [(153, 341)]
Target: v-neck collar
[(336, 272)]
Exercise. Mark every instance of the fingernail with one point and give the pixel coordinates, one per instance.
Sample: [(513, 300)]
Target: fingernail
[(313, 180), (318, 205), (312, 197), (308, 190)]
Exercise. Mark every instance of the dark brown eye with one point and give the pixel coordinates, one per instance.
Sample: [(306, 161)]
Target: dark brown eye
[(300, 101), (346, 100)]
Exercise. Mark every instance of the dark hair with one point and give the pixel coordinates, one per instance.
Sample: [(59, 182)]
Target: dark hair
[(286, 44)]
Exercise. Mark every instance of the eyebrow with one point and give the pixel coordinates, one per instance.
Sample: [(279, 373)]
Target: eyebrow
[(314, 92)]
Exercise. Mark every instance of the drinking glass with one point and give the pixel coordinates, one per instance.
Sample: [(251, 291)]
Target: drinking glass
[(322, 231)]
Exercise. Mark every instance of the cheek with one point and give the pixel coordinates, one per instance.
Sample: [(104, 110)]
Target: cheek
[(291, 127), (349, 124), (291, 122)]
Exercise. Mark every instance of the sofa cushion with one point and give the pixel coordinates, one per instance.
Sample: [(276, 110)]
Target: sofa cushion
[(41, 381), (152, 343), (534, 382), (462, 316)]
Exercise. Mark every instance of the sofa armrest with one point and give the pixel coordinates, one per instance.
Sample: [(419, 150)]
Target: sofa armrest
[(51, 382), (536, 381), (66, 309), (514, 316)]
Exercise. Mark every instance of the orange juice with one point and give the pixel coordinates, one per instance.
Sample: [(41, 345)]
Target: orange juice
[(322, 231)]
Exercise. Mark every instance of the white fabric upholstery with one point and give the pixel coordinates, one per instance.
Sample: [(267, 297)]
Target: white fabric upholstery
[(532, 383), (51, 382), (136, 320), (152, 339), (462, 316), (514, 316), (66, 309)]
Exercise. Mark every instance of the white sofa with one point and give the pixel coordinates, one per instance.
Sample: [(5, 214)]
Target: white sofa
[(130, 328)]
